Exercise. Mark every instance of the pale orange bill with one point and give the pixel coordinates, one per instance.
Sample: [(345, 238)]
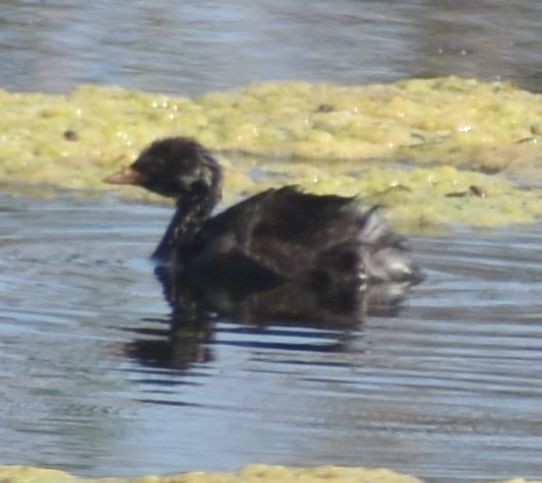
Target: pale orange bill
[(126, 176)]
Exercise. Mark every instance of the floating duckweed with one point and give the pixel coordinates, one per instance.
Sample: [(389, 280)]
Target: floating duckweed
[(416, 146), (255, 473)]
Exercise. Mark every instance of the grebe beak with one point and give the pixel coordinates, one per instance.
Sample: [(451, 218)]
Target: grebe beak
[(126, 176)]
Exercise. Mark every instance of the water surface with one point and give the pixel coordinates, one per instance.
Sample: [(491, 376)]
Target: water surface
[(94, 382), (193, 47)]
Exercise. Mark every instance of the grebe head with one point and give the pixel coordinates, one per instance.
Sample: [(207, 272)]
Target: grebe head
[(175, 167)]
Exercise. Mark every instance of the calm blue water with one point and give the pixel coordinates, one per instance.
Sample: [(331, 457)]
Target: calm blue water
[(195, 46)]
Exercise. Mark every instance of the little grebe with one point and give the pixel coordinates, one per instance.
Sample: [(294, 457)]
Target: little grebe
[(275, 236)]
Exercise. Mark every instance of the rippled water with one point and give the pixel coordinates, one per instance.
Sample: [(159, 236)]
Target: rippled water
[(94, 382), (193, 47)]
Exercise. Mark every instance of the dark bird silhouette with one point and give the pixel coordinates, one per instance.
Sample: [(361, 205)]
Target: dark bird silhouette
[(283, 235)]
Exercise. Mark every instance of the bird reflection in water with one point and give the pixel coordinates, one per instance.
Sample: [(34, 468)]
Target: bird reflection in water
[(282, 256), (198, 309)]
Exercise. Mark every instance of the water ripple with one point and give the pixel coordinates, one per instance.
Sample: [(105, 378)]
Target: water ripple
[(447, 389)]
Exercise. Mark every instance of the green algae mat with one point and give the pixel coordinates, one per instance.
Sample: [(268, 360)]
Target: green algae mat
[(435, 152), (251, 474)]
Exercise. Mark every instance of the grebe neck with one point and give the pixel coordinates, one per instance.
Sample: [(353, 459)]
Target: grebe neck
[(193, 210)]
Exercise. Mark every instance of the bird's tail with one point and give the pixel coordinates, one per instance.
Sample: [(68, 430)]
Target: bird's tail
[(387, 255)]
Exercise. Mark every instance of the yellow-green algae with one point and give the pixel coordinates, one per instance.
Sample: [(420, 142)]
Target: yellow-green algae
[(251, 474), (434, 151)]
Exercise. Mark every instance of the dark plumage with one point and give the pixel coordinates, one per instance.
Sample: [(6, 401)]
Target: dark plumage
[(276, 236)]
